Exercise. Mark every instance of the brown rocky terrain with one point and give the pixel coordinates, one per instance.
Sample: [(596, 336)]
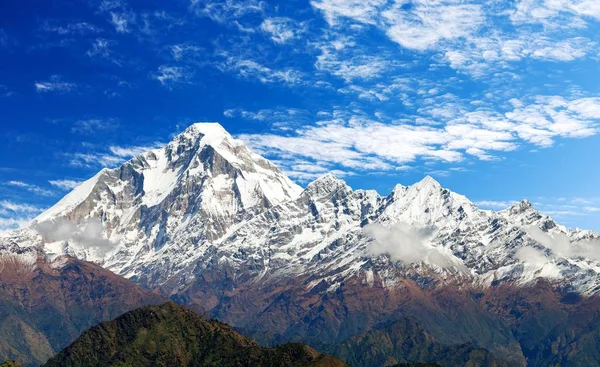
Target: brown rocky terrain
[(46, 305)]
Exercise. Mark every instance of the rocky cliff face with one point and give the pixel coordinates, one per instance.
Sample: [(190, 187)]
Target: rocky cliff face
[(209, 223)]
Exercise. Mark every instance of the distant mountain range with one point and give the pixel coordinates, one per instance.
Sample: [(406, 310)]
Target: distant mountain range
[(206, 222)]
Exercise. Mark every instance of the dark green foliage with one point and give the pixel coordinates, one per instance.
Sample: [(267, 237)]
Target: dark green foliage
[(171, 335), (11, 363), (404, 341)]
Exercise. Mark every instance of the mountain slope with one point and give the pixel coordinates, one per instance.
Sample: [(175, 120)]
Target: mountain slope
[(405, 341), (170, 335), (45, 305)]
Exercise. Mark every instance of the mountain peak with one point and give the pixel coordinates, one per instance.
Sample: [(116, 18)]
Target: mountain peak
[(209, 133), (428, 182), (206, 128), (328, 179), (326, 184), (521, 207)]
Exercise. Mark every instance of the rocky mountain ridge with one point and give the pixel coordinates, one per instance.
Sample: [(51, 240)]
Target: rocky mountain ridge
[(207, 199)]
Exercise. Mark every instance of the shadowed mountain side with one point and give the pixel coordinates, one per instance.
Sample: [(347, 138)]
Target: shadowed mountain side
[(553, 327), (406, 342), (287, 311)]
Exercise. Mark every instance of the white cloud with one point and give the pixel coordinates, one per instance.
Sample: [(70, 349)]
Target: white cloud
[(16, 215), (532, 256), (363, 11), (169, 76), (106, 5), (55, 84), (247, 68), (281, 29), (549, 117), (101, 48), (409, 244), (467, 35), (184, 51), (227, 10), (114, 156), (428, 22), (122, 21), (416, 25), (64, 184), (453, 132), (91, 160), (71, 28), (567, 50), (555, 13), (19, 207), (133, 151), (89, 234), (481, 56), (562, 246), (353, 67)]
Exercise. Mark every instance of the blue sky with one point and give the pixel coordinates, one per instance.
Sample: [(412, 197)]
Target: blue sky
[(498, 100)]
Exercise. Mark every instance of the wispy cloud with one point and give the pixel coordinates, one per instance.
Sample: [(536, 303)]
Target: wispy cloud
[(428, 22), (416, 25), (34, 189), (18, 207), (107, 5), (170, 76), (247, 68), (103, 49), (123, 21), (277, 118), (75, 28), (555, 14), (469, 36), (111, 157), (364, 143), (282, 29), (64, 184), (227, 11), (351, 67), (54, 85), (94, 125), (185, 51)]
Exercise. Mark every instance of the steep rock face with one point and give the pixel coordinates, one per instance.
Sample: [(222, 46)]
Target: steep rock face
[(170, 335), (45, 305)]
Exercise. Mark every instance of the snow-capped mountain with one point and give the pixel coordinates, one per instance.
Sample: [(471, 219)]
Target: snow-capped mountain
[(205, 201), (214, 226)]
